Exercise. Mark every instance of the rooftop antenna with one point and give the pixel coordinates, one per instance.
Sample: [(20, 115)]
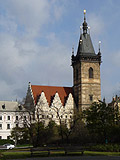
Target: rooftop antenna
[(73, 50), (99, 45)]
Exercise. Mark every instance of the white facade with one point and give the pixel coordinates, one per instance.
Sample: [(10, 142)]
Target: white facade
[(10, 114), (54, 109)]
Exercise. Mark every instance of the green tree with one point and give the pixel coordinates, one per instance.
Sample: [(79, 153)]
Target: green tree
[(100, 119), (20, 135), (52, 134)]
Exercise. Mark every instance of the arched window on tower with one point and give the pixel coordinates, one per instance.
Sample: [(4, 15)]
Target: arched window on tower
[(90, 72)]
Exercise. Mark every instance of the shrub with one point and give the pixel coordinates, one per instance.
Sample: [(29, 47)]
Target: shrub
[(4, 141)]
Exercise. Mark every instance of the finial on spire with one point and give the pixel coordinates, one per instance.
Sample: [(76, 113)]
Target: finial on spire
[(80, 29), (73, 50), (80, 41), (99, 45), (85, 24), (104, 99), (84, 14), (89, 30)]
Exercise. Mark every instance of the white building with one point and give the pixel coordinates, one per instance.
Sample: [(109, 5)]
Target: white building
[(10, 114)]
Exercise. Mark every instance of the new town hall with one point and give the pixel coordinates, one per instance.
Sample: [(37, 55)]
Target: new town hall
[(51, 102)]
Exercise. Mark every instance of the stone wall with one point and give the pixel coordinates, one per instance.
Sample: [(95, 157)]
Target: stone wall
[(85, 87)]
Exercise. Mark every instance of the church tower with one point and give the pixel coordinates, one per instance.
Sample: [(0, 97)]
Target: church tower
[(86, 71)]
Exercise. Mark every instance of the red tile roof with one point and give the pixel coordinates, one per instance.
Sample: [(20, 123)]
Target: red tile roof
[(50, 92)]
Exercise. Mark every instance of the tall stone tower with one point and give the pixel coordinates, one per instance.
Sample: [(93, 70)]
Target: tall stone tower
[(86, 71)]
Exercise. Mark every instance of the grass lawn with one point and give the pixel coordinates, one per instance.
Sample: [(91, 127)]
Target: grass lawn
[(95, 153), (14, 154)]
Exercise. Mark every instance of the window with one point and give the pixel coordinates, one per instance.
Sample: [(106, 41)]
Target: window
[(76, 74), (20, 107), (0, 126), (0, 137), (24, 117), (0, 117), (16, 117), (90, 72), (8, 126), (17, 125), (66, 116), (8, 117), (3, 106), (91, 97), (8, 137)]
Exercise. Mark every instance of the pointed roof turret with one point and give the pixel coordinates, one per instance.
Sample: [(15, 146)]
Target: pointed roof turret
[(85, 47)]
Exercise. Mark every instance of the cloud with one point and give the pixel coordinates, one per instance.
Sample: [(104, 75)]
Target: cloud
[(30, 15), (36, 37), (97, 24), (23, 57), (116, 58)]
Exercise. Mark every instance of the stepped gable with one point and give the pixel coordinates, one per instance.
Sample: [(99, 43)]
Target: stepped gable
[(50, 91)]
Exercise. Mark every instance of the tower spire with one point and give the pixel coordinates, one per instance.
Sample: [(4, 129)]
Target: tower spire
[(85, 27)]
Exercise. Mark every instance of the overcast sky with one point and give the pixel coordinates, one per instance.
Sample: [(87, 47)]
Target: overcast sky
[(36, 39)]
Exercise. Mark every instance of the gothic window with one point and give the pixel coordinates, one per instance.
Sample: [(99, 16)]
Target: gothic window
[(76, 74), (90, 72), (0, 126)]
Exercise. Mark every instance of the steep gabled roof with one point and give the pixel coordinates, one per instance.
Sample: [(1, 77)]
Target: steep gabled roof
[(50, 92)]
